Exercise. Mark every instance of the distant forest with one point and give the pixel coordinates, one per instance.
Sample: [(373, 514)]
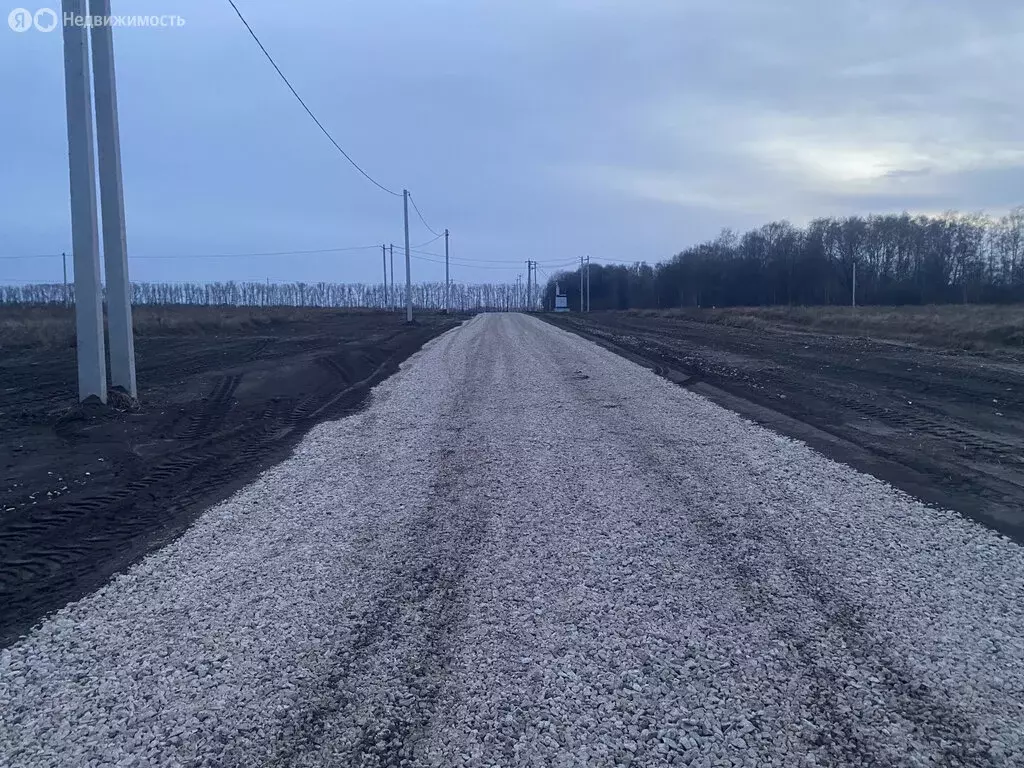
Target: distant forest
[(425, 296), (900, 259)]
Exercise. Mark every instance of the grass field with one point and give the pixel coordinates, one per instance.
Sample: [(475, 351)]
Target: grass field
[(54, 325), (969, 327)]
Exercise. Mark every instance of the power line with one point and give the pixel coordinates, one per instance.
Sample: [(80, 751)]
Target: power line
[(269, 253), (433, 240), (424, 258), (458, 264), (34, 256), (466, 261), (417, 208), (548, 264), (461, 262), (303, 103)]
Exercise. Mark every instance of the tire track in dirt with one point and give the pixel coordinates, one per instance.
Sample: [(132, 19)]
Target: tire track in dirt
[(54, 552), (414, 616)]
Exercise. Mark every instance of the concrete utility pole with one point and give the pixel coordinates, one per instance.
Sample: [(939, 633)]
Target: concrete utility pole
[(588, 283), (394, 299), (384, 258), (853, 293), (408, 267), (530, 275), (92, 364), (447, 280), (582, 305), (115, 248), (519, 291)]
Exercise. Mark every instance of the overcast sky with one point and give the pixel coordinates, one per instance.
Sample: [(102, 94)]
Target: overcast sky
[(540, 129)]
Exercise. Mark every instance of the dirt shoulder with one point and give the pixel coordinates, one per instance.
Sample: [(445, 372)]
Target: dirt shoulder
[(84, 493), (943, 425), (992, 329)]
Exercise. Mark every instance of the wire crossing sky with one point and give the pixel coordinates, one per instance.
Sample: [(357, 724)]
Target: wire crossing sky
[(295, 93), (533, 130)]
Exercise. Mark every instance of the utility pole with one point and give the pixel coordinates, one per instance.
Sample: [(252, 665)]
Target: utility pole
[(384, 258), (853, 293), (408, 266), (519, 292), (588, 283), (447, 280), (394, 299), (529, 286), (582, 306), (115, 248), (85, 250), (64, 260)]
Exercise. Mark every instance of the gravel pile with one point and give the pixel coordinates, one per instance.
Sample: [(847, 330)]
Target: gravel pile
[(530, 552)]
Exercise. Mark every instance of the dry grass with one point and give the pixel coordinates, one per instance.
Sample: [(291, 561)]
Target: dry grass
[(53, 325), (970, 327)]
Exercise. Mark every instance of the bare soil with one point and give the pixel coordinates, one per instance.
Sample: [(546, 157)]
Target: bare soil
[(946, 426), (990, 328), (87, 491)]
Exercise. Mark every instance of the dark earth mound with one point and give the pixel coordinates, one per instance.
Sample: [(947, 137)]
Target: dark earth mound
[(87, 490), (945, 426)]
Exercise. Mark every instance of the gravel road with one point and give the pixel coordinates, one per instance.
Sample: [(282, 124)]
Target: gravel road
[(528, 551)]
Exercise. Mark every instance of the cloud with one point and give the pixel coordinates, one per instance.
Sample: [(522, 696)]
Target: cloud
[(790, 119), (531, 129)]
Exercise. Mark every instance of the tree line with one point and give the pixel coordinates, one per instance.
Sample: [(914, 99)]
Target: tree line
[(886, 259), (425, 296)]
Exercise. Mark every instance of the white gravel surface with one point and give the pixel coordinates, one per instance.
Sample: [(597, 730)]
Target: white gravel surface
[(528, 551)]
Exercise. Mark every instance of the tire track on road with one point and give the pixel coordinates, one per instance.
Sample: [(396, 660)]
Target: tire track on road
[(768, 579)]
